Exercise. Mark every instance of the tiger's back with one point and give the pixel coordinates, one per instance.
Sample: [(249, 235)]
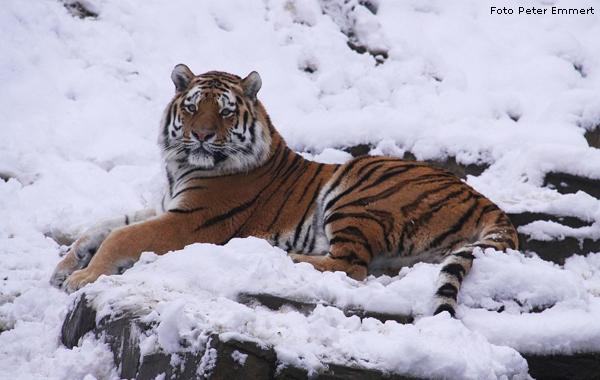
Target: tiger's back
[(231, 174)]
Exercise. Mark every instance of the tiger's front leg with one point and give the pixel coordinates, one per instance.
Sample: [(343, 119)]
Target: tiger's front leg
[(88, 244), (124, 246)]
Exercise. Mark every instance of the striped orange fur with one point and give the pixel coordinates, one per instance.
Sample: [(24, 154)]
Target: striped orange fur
[(231, 174)]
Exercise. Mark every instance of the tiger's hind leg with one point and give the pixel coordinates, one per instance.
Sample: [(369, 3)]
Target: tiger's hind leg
[(331, 263), (344, 255), (355, 238)]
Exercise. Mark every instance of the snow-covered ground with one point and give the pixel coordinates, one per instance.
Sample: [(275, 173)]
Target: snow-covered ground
[(80, 101)]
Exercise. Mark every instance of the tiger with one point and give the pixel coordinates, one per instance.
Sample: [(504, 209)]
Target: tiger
[(230, 175)]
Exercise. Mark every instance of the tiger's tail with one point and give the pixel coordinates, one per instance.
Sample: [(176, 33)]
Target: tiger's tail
[(495, 231)]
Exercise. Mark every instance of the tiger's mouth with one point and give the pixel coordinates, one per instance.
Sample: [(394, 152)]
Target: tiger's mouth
[(202, 156), (201, 149)]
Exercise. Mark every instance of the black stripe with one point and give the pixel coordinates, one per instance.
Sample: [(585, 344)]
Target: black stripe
[(351, 188), (285, 155), (385, 219), (315, 175), (193, 170), (188, 189), (240, 136), (342, 175), (168, 120), (445, 307), (269, 124), (288, 172), (186, 211), (447, 290), (436, 207), (352, 231), (339, 239), (177, 118), (228, 214), (338, 216), (417, 201), (374, 161), (390, 191), (273, 159), (245, 121), (351, 258), (343, 215), (410, 229), (455, 270), (305, 241), (356, 232), (283, 180), (303, 219), (170, 180), (465, 255), (252, 131), (456, 227), (285, 198), (484, 211), (226, 96), (389, 174), (502, 219)]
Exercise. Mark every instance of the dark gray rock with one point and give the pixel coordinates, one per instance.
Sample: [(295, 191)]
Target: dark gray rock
[(564, 367), (259, 363), (274, 302), (525, 218), (566, 183), (556, 250), (450, 164), (79, 9), (592, 136), (122, 333), (79, 321)]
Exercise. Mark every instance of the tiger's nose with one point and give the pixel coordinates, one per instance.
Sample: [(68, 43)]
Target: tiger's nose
[(202, 135)]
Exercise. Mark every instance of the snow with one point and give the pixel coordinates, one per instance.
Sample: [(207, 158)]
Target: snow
[(80, 105), (239, 357)]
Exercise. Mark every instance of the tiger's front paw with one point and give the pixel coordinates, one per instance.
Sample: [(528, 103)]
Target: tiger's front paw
[(64, 269), (79, 279)]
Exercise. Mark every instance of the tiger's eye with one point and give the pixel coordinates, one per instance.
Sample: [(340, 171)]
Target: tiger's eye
[(192, 108), (226, 112)]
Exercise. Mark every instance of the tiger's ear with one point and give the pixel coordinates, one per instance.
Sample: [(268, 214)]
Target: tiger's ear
[(182, 77), (251, 84)]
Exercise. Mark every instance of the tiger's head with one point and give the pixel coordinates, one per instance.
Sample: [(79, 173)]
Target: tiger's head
[(215, 125)]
